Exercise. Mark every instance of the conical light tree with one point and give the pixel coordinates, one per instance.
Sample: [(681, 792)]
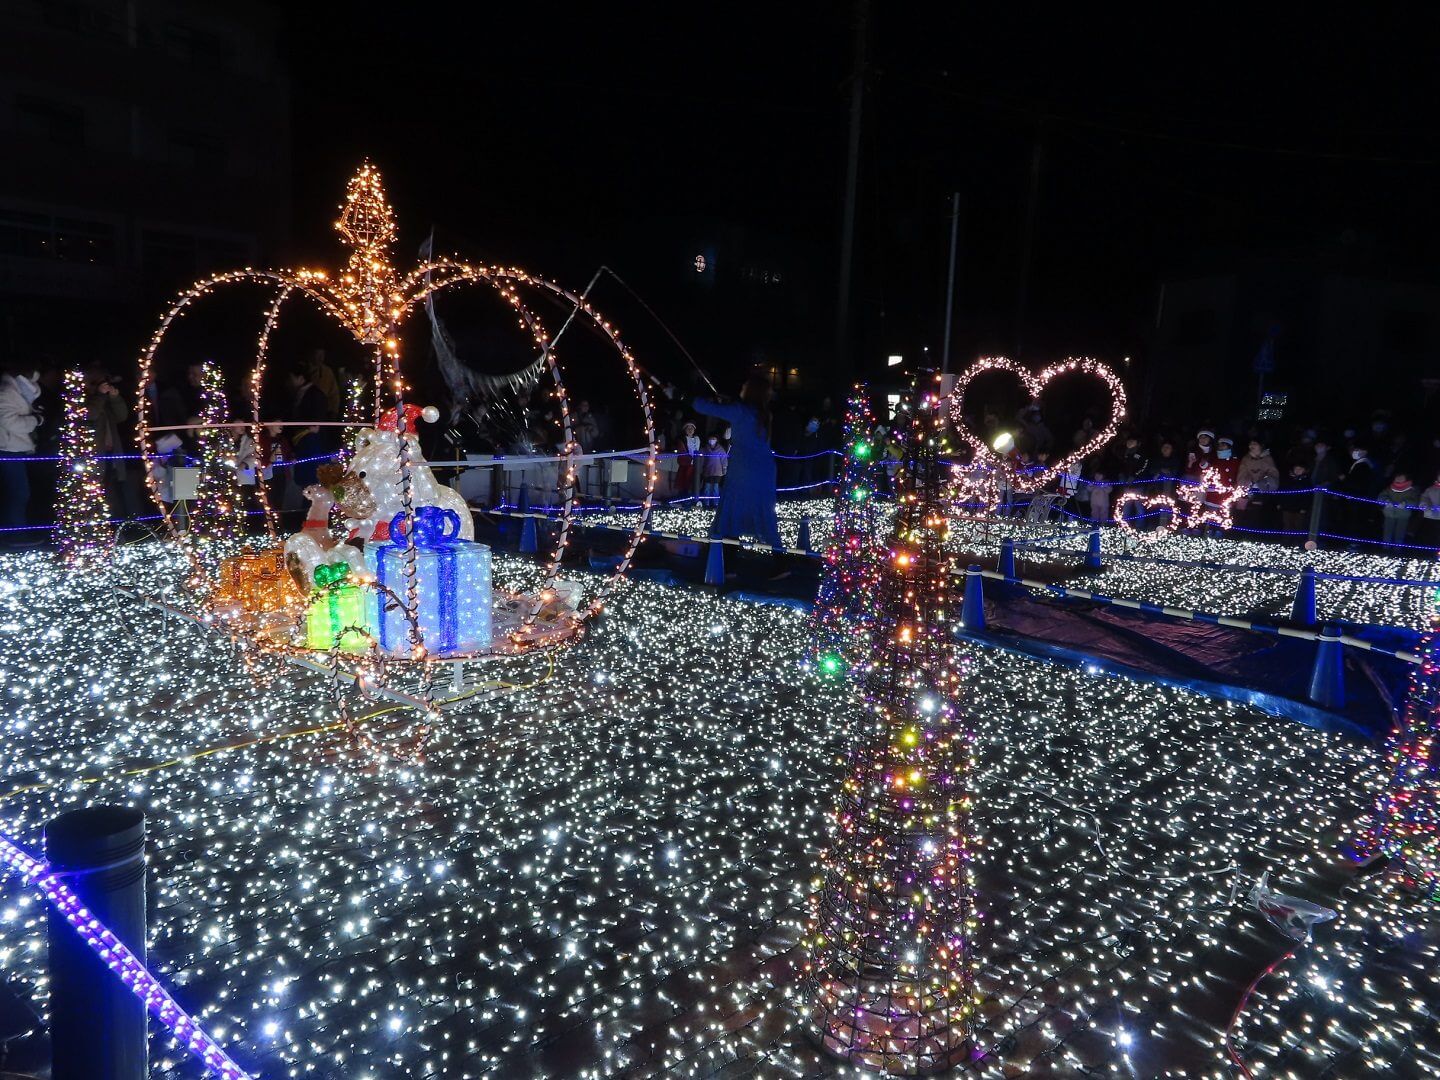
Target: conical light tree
[(843, 618), (219, 498), (1406, 824), (81, 532), (890, 970)]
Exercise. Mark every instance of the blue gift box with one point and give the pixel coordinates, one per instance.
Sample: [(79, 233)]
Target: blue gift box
[(453, 590)]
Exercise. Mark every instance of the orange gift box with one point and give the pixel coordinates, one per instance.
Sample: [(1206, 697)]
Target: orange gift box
[(255, 582)]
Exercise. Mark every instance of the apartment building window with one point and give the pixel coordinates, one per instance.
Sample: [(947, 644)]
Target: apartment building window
[(198, 150), (170, 255), (53, 121), (203, 48), (28, 235), (81, 19)]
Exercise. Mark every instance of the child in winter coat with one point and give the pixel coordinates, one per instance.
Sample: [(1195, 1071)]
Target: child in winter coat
[(687, 456), (1396, 500), (716, 462), (1099, 498), (1295, 498), (1430, 500)]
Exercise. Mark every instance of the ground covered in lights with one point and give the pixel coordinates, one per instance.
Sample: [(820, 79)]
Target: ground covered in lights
[(601, 867), (1221, 575)]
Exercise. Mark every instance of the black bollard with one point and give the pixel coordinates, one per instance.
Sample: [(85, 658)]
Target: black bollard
[(97, 1026)]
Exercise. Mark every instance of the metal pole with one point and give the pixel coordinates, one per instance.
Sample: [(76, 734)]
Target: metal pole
[(97, 1026), (852, 182), (1027, 245), (950, 284)]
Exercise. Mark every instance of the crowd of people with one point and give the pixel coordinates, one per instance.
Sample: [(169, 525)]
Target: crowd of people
[(1371, 483), (32, 414)]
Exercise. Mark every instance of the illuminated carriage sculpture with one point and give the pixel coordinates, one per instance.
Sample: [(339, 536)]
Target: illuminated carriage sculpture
[(265, 605)]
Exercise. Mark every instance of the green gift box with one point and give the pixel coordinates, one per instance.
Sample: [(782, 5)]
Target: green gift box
[(338, 613)]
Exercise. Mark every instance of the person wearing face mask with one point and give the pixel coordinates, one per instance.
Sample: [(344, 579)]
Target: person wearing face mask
[(1257, 474), (1362, 480), (1202, 453), (19, 417), (1397, 501), (716, 460), (687, 451), (1222, 468)]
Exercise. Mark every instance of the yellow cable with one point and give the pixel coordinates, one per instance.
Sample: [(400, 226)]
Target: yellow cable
[(265, 739)]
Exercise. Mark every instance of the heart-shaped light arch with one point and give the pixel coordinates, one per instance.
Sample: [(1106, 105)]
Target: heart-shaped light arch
[(1034, 383), (371, 302)]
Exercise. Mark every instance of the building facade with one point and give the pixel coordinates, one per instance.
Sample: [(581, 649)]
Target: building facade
[(147, 142)]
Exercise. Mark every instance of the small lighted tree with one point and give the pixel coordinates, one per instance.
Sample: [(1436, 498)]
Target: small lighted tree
[(81, 531), (843, 617), (219, 497), (890, 978), (1406, 824)]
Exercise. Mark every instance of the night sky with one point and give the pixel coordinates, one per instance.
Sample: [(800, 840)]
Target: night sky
[(1175, 142)]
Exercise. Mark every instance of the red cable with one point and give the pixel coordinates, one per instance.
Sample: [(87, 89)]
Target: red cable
[(1244, 1000)]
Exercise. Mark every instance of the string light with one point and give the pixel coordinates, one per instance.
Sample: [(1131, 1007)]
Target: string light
[(891, 951), (843, 614), (1209, 501), (371, 299), (626, 851), (1406, 825), (219, 510)]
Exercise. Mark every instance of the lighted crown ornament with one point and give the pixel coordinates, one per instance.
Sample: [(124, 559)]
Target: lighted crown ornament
[(386, 486)]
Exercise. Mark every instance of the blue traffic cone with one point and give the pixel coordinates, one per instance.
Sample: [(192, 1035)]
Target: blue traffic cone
[(715, 564), (972, 608), (1303, 610), (529, 538), (1327, 680), (1007, 558), (1092, 552), (802, 540)]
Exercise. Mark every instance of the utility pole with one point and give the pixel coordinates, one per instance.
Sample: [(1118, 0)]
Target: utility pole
[(1027, 243), (950, 283), (860, 25)]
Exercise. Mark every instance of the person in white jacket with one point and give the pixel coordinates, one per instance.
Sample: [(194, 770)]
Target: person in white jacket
[(18, 420)]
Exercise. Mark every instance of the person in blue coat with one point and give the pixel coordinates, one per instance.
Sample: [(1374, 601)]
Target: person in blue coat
[(747, 501)]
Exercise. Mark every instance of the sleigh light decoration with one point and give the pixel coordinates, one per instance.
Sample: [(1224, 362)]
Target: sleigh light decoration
[(385, 592)]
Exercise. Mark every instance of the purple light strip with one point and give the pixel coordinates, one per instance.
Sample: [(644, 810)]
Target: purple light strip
[(122, 962)]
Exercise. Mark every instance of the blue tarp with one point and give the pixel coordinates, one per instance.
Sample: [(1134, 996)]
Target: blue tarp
[(1272, 673)]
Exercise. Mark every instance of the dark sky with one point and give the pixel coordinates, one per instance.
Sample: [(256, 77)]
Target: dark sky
[(1173, 139)]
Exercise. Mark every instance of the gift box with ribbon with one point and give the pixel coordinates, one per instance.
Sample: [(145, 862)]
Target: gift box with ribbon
[(340, 613), (255, 582), (453, 595)]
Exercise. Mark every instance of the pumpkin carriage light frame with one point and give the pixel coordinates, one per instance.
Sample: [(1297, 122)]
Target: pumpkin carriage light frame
[(371, 300)]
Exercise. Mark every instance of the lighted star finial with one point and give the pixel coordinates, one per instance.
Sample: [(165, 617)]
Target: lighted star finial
[(368, 291)]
